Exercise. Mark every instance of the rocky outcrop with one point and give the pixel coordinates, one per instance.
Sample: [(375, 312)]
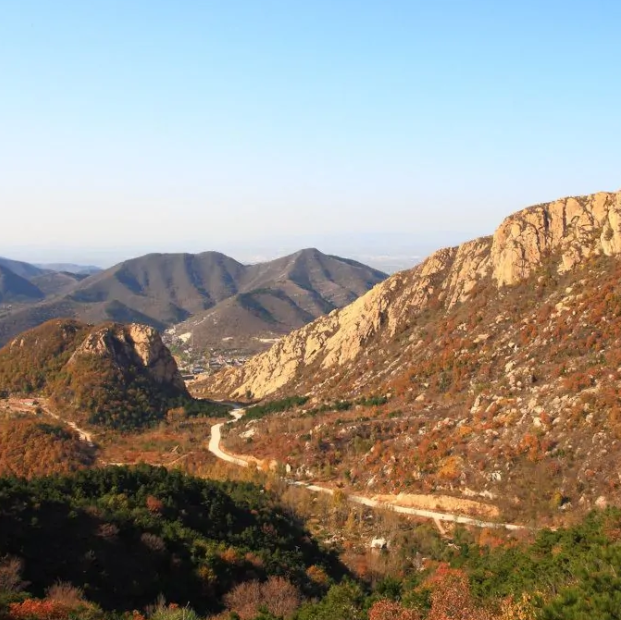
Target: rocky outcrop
[(565, 231), (119, 376), (134, 344), (560, 234)]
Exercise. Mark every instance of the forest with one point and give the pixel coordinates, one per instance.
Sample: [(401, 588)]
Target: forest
[(125, 537), (30, 448), (150, 543)]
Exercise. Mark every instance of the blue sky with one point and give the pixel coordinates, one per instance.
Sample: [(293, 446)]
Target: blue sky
[(164, 126)]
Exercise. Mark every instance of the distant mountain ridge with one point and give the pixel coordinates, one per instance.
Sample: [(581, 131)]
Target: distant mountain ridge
[(70, 268), (15, 288), (218, 300), (275, 297), (22, 269)]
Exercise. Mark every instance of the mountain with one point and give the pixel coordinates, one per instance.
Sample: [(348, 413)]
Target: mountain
[(488, 366), (119, 376), (81, 270), (225, 299), (166, 287), (24, 270), (55, 283), (15, 288), (50, 279), (275, 297)]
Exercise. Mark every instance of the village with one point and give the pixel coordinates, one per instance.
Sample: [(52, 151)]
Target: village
[(195, 362)]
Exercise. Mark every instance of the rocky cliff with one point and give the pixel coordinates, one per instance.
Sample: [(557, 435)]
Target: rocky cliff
[(557, 235), (568, 230), (133, 345)]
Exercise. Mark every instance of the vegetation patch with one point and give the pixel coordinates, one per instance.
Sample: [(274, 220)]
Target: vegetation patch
[(257, 412), (126, 536), (31, 448)]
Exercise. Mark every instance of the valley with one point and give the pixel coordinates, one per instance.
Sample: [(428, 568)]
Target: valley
[(453, 429), (310, 310), (385, 502), (470, 375)]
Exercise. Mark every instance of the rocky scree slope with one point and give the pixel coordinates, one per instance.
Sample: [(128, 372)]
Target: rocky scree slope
[(490, 367), (120, 376)]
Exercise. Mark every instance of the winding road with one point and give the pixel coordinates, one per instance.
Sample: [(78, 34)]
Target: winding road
[(216, 438), (216, 450), (31, 405), (245, 461)]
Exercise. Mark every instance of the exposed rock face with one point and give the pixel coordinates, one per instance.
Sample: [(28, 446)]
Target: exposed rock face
[(134, 344), (573, 228), (562, 232), (119, 376)]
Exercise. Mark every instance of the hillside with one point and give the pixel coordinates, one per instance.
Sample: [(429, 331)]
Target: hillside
[(30, 448), (56, 282), (119, 376), (489, 365), (168, 544), (225, 305), (166, 287), (277, 297), (126, 536), (22, 269), (15, 288)]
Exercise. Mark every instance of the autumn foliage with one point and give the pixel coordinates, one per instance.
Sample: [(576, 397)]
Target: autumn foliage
[(278, 596), (33, 448)]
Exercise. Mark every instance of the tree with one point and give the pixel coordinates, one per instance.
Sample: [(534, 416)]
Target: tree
[(343, 602), (451, 598), (390, 610), (11, 574), (277, 596)]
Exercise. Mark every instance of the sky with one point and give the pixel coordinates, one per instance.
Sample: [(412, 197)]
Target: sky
[(249, 126)]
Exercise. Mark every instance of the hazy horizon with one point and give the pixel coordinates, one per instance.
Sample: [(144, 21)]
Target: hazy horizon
[(245, 127), (389, 252)]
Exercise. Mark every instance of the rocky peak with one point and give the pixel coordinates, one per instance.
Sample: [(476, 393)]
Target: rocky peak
[(571, 228), (134, 344)]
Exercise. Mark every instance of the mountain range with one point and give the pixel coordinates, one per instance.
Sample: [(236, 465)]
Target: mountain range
[(218, 301), (485, 381)]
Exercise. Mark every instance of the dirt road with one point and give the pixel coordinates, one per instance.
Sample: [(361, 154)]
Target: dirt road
[(30, 405), (216, 450), (216, 438)]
